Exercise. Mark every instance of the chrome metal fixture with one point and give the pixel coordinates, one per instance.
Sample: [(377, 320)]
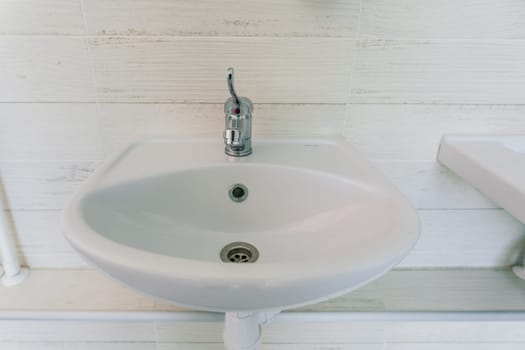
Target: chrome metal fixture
[(240, 253), (238, 130)]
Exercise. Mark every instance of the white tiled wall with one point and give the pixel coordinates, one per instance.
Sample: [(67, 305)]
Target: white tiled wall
[(80, 79)]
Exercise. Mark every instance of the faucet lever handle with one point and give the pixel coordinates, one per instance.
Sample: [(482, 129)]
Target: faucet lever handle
[(229, 79)]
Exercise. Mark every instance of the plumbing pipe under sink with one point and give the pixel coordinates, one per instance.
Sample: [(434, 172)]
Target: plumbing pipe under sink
[(13, 273), (242, 330)]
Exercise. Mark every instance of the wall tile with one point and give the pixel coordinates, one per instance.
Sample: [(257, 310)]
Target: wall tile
[(314, 18), (66, 291), (449, 238), (49, 131), (443, 19), (41, 17), (38, 185), (41, 242), (285, 346), (125, 123), (466, 238), (414, 131), (430, 185), (49, 185), (76, 331), (449, 346), (399, 290), (415, 290), (439, 72), (357, 332), (179, 69), (39, 69), (79, 345), (294, 60)]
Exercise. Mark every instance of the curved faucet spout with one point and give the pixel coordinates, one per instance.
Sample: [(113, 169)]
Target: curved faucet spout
[(231, 87), (238, 119)]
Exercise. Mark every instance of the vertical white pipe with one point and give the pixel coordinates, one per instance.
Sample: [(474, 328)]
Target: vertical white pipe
[(519, 270), (13, 271), (242, 330)]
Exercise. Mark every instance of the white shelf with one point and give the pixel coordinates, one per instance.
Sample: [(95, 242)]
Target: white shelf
[(493, 164)]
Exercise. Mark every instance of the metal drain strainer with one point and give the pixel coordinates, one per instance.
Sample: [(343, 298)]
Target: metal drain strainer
[(240, 253)]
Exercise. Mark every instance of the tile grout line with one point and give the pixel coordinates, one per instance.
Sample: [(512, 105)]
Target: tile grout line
[(156, 332), (101, 147), (427, 209), (221, 37), (437, 104)]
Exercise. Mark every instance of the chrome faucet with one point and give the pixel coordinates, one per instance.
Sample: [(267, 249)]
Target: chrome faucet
[(238, 131)]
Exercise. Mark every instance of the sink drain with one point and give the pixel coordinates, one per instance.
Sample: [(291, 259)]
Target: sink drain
[(240, 253), (238, 193)]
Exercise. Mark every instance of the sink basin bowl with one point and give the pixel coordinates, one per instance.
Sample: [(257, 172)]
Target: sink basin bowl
[(322, 219)]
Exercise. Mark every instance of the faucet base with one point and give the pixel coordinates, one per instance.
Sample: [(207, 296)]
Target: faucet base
[(238, 153)]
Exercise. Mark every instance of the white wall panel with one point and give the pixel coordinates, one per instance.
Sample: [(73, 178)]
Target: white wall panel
[(86, 290), (41, 242), (412, 69), (414, 131), (179, 69), (41, 17), (445, 72), (452, 346), (45, 69), (74, 290), (79, 346), (430, 185), (76, 331), (286, 346), (443, 19), (449, 238), (125, 123), (466, 238), (315, 18), (358, 332), (49, 185), (49, 131), (437, 290), (42, 185)]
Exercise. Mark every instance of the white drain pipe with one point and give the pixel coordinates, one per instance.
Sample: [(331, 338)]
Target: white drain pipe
[(519, 270), (242, 330), (13, 273)]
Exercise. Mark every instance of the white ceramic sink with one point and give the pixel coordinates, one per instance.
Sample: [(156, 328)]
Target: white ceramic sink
[(323, 220)]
